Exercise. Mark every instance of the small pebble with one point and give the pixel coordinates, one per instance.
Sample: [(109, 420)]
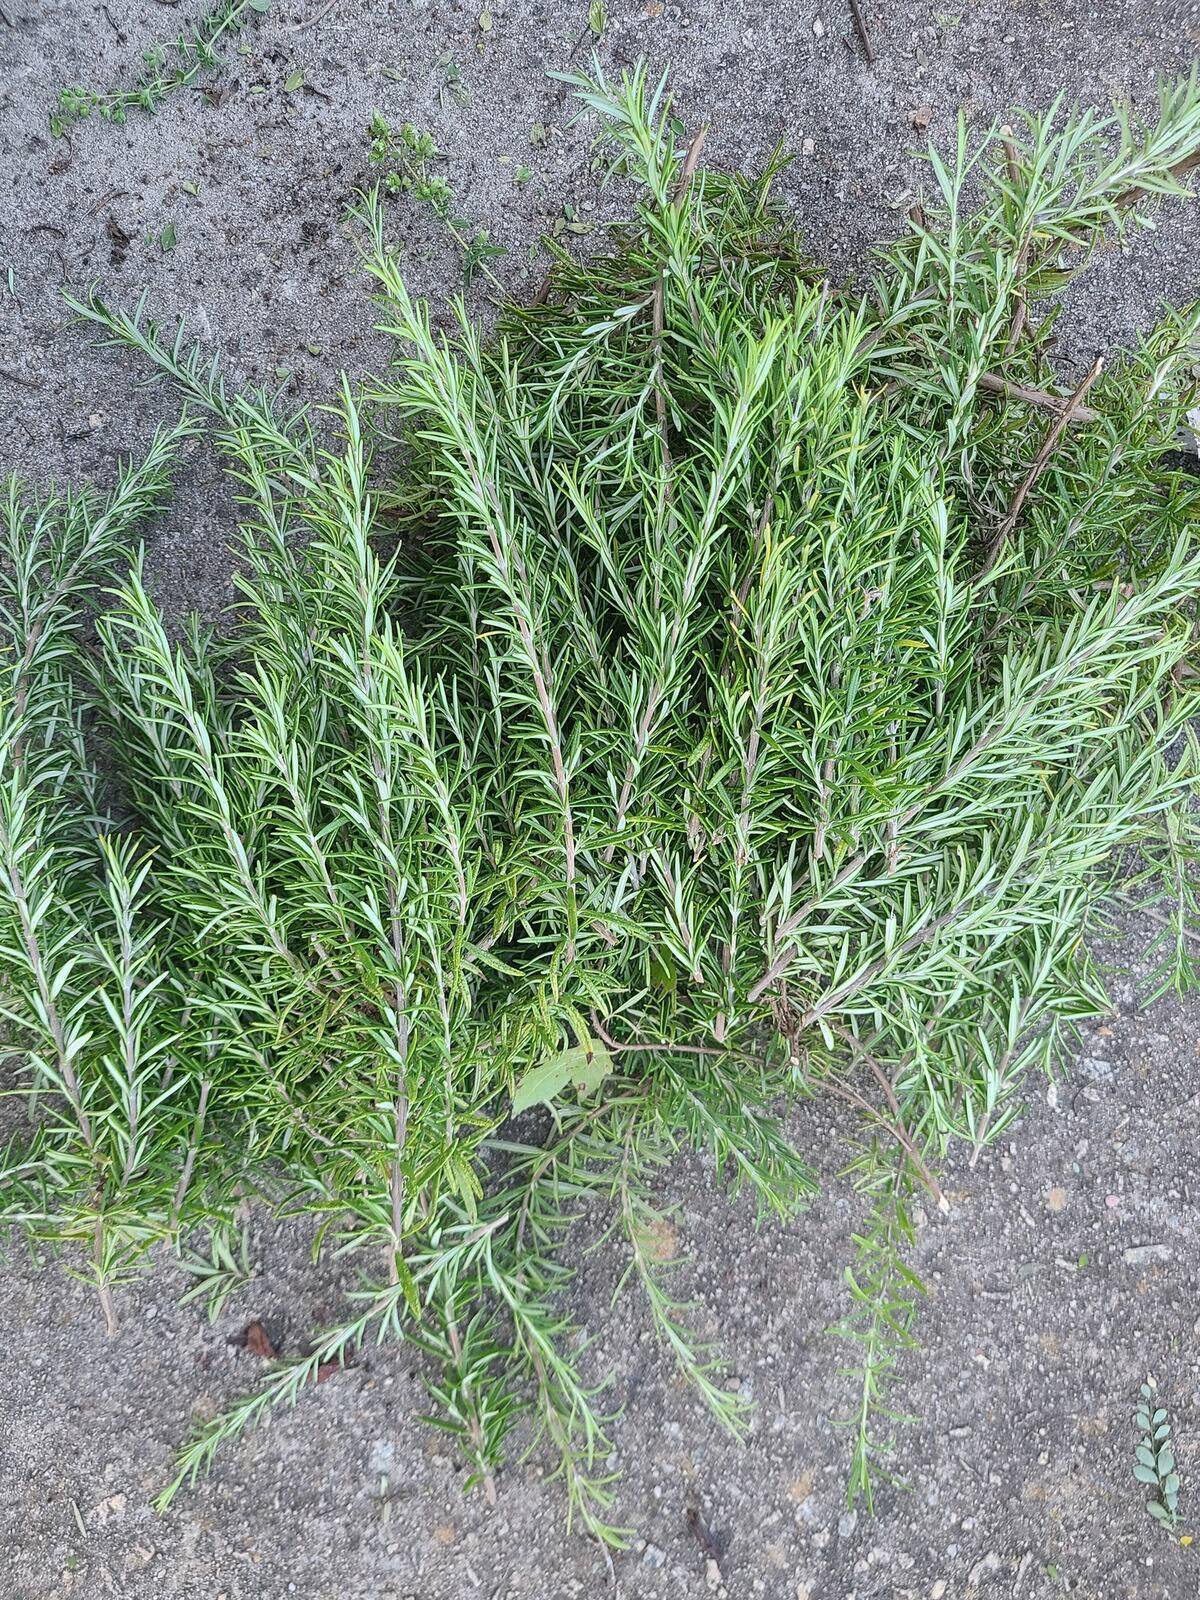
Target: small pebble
[(1139, 1254), (983, 1569)]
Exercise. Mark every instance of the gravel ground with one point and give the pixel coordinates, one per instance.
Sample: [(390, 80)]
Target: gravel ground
[(1067, 1267)]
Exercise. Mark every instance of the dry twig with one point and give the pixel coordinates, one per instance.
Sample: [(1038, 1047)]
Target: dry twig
[(1049, 444), (860, 27)]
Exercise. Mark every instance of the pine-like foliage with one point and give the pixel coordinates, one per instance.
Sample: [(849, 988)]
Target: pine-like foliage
[(715, 688)]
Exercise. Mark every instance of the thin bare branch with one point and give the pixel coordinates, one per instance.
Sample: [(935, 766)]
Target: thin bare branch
[(1049, 444)]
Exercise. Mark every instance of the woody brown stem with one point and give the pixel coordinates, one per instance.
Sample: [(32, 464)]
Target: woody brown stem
[(1049, 445), (993, 383), (894, 1124)]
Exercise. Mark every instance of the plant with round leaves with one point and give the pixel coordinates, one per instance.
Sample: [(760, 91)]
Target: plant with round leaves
[(1154, 1458)]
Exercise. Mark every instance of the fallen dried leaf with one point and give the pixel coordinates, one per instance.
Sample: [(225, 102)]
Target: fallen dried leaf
[(703, 1535), (118, 241), (257, 1341), (659, 1239), (922, 117), (110, 1510)]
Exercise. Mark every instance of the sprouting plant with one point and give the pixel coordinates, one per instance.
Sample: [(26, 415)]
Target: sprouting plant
[(476, 1403), (408, 155), (597, 17), (454, 85), (880, 1322), (477, 252), (220, 1274), (174, 64), (1154, 1458), (568, 220), (734, 688)]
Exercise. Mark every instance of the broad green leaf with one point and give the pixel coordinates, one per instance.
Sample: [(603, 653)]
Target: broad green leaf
[(1145, 1474), (580, 1068), (663, 974), (408, 1285), (1157, 1509)]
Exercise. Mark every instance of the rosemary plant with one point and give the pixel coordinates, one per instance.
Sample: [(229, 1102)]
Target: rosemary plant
[(730, 689)]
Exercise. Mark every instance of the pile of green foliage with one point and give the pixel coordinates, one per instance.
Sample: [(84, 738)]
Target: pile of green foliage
[(714, 689)]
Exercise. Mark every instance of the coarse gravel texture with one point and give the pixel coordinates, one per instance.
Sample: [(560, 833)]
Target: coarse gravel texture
[(1067, 1267)]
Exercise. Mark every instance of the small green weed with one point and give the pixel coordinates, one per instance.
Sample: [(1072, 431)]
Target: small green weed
[(219, 1275), (409, 155), (174, 64), (453, 88), (1154, 1458)]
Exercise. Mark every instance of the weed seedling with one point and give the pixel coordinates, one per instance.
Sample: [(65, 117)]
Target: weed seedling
[(175, 64), (1154, 1458), (453, 87), (409, 156)]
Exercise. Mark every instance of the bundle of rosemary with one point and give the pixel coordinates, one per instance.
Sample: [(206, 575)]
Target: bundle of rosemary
[(715, 688)]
